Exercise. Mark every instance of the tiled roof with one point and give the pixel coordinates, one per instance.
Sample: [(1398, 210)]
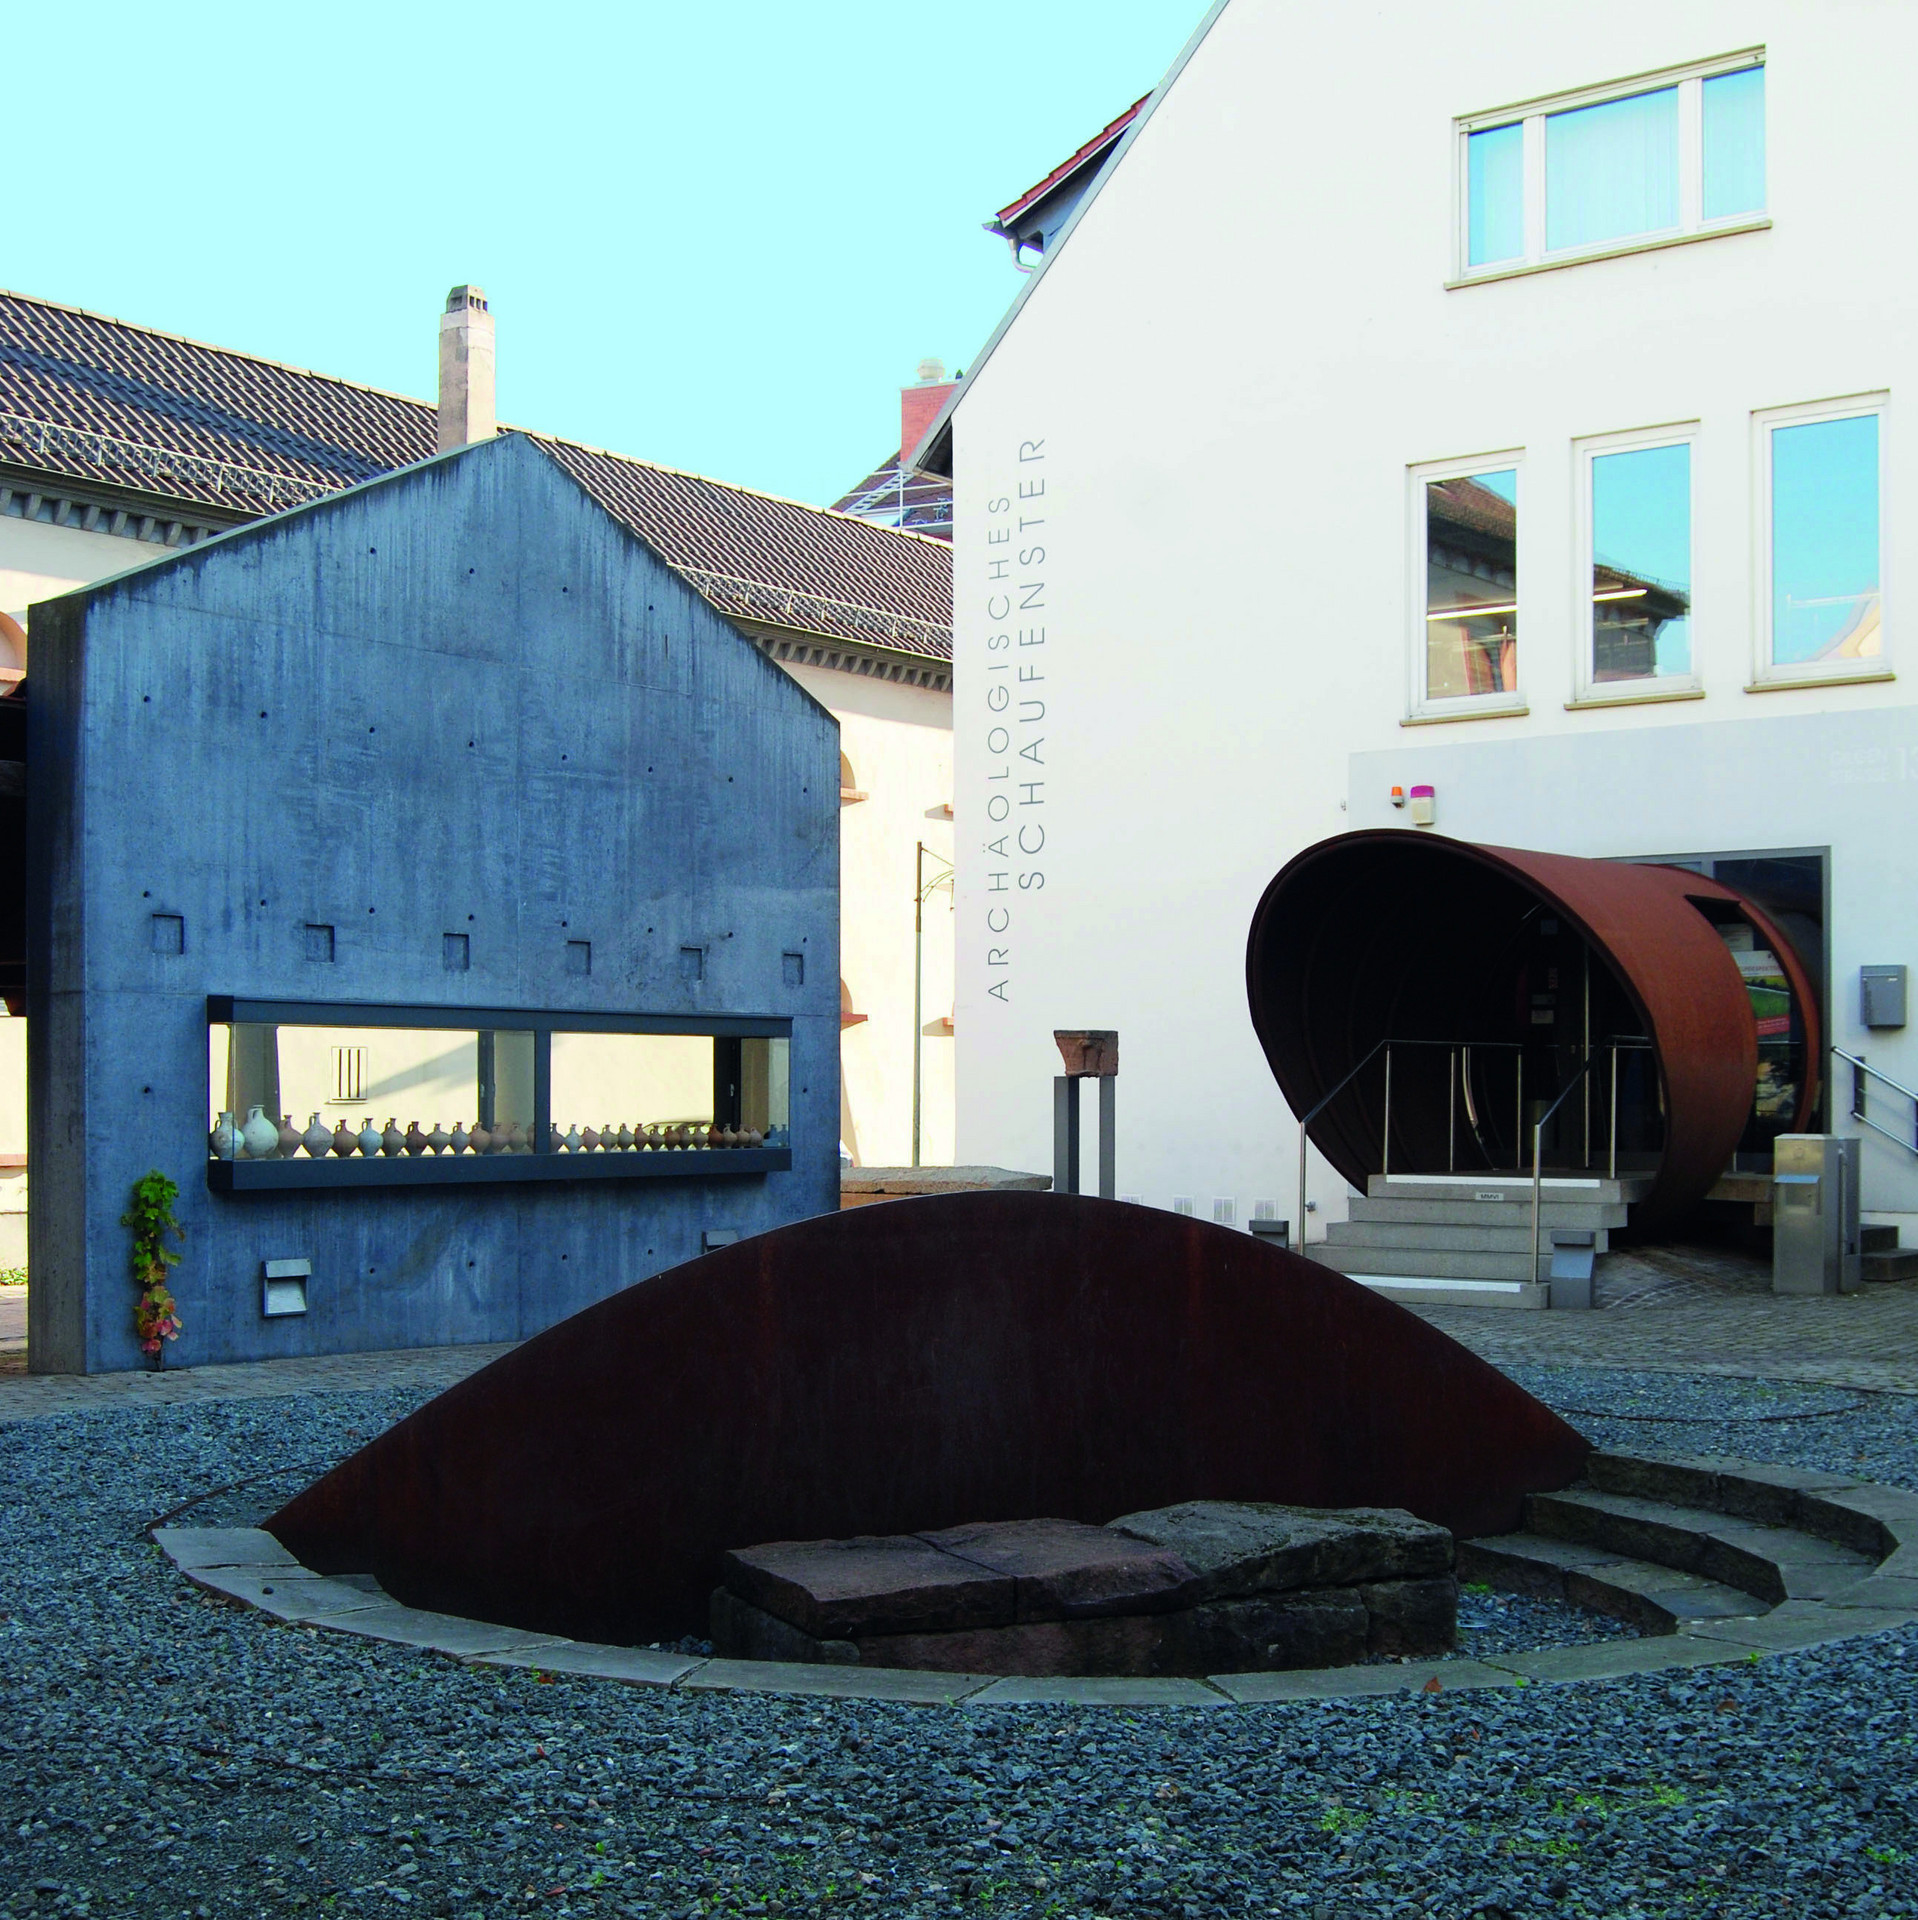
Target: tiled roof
[(95, 399), (1092, 150)]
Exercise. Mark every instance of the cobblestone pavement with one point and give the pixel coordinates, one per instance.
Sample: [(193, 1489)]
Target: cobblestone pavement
[(1661, 1310), (26, 1396), (1707, 1310)]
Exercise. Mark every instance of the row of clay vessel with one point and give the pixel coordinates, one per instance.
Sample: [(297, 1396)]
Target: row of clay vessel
[(260, 1139)]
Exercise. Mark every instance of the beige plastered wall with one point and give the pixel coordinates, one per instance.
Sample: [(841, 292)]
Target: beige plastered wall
[(897, 740)]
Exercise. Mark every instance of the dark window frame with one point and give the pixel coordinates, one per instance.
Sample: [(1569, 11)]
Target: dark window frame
[(438, 1170)]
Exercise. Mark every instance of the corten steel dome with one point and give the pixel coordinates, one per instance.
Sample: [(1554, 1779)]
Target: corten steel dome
[(1538, 958)]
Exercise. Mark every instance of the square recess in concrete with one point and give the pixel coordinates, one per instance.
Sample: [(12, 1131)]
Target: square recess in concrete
[(190, 1547), (440, 1632), (839, 1683), (1117, 1690), (635, 1666), (287, 1593), (1335, 1683)]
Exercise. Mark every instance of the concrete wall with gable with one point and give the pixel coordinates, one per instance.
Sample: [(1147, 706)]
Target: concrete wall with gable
[(459, 699)]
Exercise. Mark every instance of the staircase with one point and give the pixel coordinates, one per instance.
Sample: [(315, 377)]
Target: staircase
[(1444, 1239), (1882, 1258), (1673, 1546)]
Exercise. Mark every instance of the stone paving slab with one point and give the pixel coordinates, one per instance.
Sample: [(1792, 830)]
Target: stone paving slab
[(192, 1547), (1118, 1691), (904, 1684), (1609, 1659), (1338, 1683), (384, 1619), (633, 1666), (287, 1594), (1796, 1624)]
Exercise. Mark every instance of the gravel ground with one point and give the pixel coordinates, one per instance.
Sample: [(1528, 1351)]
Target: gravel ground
[(163, 1755)]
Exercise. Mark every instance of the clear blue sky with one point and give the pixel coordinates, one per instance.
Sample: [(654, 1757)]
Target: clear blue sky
[(719, 236)]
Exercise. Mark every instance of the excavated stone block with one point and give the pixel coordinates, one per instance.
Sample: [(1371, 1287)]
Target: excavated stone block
[(1244, 1547), (1066, 1570), (1411, 1616), (843, 1589), (1074, 1600)]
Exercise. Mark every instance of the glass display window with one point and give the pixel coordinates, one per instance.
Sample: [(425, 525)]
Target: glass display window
[(316, 1095)]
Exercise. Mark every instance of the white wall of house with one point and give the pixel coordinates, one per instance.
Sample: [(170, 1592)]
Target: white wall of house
[(1186, 581), (897, 743), (38, 562)]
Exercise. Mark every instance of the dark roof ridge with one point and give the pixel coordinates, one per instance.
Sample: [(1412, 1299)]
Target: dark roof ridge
[(210, 346), (427, 406)]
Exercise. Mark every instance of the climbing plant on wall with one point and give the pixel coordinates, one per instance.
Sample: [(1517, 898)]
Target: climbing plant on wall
[(156, 1316)]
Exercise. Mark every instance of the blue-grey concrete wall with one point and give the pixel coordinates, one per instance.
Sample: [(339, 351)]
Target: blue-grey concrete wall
[(461, 699)]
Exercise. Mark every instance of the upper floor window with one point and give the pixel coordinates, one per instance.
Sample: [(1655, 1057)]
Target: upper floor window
[(1819, 484), (1609, 168)]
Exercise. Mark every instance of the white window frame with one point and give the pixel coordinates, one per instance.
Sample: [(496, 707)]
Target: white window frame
[(1532, 115), (1591, 692), (1421, 708), (1808, 673)]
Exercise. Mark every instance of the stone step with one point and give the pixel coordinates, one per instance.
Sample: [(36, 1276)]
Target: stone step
[(1554, 1211), (1428, 1290), (1874, 1521), (1492, 1237), (1509, 1186), (1592, 1187), (1771, 1563), (1878, 1239), (1896, 1263), (1644, 1594), (1433, 1263)]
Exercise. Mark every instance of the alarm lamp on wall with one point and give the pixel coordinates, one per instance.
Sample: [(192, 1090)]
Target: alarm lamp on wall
[(1422, 806)]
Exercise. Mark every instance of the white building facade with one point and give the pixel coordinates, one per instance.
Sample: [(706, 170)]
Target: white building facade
[(1507, 402)]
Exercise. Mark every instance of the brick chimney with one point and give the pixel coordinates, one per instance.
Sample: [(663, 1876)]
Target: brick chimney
[(919, 404), (466, 369)]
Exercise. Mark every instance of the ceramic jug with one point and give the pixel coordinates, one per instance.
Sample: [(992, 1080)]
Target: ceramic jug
[(345, 1140), (439, 1139), (317, 1139), (459, 1138), (261, 1135), (225, 1139), (370, 1138)]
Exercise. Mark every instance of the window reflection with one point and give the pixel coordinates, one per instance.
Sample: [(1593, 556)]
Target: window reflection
[(1824, 538), (668, 1089), (1611, 170), (1471, 585), (367, 1091), (1641, 563)]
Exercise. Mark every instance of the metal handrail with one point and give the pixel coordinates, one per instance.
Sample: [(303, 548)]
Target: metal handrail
[(1860, 1069), (1385, 1155), (1614, 1048)]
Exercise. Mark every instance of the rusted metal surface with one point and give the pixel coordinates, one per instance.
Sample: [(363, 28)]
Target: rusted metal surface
[(1410, 936), (900, 1369)]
